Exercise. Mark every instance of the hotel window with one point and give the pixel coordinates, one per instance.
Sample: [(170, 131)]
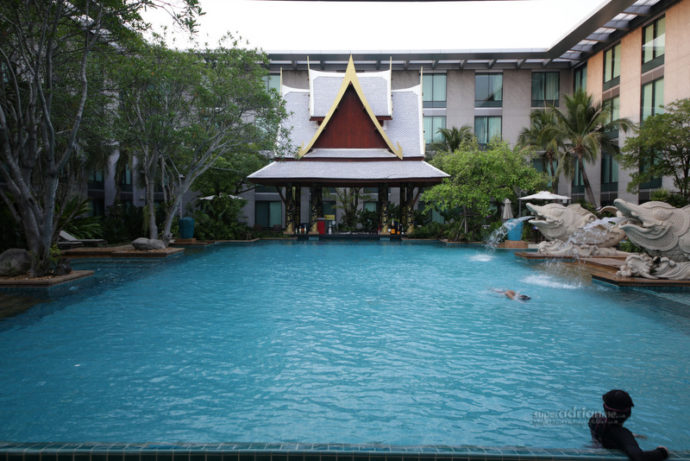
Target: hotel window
[(268, 214), (609, 173), (580, 78), (653, 44), (96, 179), (545, 89), (434, 91), (613, 107), (488, 90), (487, 128), (612, 66), (431, 127), (272, 82), (652, 98), (97, 207), (126, 179), (652, 104)]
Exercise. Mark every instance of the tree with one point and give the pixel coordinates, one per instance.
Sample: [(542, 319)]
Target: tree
[(663, 146), (182, 111), (584, 128), (543, 136), (453, 138), (44, 55), (347, 200), (479, 179)]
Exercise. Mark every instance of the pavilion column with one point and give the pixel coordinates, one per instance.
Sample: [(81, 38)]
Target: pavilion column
[(289, 210), (403, 205), (316, 208), (297, 211), (383, 208), (408, 211)]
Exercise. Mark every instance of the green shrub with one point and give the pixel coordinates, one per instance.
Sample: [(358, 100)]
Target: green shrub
[(673, 199), (123, 223), (11, 235), (369, 220), (430, 230), (627, 245), (217, 219)]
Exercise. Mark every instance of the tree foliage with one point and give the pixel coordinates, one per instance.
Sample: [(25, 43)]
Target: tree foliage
[(543, 136), (453, 139), (45, 48), (479, 180), (662, 145), (584, 129), (183, 111)]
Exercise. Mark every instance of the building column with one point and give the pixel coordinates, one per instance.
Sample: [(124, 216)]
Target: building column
[(316, 208), (289, 210), (383, 208)]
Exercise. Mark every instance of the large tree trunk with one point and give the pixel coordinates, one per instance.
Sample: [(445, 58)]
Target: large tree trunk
[(151, 206)]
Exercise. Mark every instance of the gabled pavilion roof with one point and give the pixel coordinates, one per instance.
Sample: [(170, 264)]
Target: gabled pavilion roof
[(350, 90), (353, 142)]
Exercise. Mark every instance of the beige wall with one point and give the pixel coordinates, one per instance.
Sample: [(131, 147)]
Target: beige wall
[(595, 75), (460, 97), (631, 75), (517, 99), (404, 79), (296, 79), (677, 59)]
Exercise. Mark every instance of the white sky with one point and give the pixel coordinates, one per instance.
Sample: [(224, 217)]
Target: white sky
[(389, 26)]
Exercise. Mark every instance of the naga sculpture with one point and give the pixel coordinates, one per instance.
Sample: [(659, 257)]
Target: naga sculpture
[(573, 231), (664, 233)]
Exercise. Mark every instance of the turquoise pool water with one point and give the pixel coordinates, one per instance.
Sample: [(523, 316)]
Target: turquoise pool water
[(355, 343)]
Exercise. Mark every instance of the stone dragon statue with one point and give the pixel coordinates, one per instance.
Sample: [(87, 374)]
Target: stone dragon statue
[(573, 231), (663, 231)]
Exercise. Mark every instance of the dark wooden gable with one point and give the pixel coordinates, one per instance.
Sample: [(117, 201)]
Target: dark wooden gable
[(350, 127)]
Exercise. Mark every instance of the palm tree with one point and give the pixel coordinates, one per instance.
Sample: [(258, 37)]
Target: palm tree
[(453, 138), (583, 127), (543, 136)]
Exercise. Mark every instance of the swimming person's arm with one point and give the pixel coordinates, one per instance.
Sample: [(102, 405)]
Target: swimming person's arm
[(624, 440)]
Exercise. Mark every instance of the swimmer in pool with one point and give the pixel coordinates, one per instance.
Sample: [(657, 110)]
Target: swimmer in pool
[(511, 294)]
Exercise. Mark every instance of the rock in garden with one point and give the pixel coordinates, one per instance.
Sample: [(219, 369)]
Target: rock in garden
[(14, 261), (148, 244)]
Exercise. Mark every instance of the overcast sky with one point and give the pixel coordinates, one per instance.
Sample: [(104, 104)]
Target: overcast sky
[(389, 26)]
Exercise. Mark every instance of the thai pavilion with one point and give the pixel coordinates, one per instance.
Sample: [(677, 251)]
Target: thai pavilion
[(352, 131)]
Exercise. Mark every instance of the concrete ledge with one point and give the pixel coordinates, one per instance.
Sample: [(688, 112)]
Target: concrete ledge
[(23, 281), (162, 253), (513, 244), (95, 252), (190, 243), (241, 241), (299, 452)]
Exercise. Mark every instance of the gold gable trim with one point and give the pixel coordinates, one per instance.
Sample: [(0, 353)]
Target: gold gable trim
[(351, 78)]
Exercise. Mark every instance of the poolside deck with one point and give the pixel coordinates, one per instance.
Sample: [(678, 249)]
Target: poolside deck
[(604, 269)]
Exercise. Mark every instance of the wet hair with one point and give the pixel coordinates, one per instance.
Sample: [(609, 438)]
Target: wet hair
[(618, 405), (524, 298)]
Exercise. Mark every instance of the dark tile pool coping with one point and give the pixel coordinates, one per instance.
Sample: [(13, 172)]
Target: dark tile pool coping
[(11, 451)]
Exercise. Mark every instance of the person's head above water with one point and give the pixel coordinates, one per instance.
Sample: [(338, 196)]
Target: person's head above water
[(618, 405)]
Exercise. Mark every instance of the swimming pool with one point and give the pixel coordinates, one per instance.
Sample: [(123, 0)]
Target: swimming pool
[(338, 342)]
